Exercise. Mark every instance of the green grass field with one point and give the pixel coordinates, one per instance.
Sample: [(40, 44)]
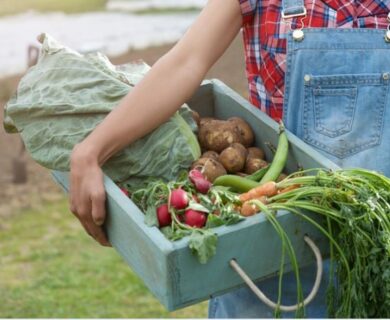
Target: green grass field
[(69, 6), (49, 268)]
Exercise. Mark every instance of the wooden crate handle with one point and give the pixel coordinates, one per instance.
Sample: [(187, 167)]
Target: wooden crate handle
[(270, 303)]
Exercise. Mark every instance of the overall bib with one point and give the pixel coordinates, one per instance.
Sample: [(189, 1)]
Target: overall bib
[(336, 100)]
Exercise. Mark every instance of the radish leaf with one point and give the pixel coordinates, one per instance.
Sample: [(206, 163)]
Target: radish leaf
[(151, 217), (203, 243)]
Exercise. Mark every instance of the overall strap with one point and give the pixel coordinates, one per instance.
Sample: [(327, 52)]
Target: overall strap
[(293, 8)]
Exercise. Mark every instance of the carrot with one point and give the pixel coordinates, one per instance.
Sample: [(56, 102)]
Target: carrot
[(249, 209), (267, 189)]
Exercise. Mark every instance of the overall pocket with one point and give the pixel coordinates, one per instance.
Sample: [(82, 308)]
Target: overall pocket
[(344, 114)]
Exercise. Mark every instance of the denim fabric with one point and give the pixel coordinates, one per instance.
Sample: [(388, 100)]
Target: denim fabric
[(336, 99), (337, 95)]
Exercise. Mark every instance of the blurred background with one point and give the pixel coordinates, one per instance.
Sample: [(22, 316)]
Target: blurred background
[(49, 268)]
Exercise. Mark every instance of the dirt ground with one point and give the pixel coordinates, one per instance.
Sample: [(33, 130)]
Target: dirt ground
[(40, 187)]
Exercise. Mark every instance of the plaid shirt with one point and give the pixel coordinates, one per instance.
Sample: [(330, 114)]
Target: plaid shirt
[(265, 39)]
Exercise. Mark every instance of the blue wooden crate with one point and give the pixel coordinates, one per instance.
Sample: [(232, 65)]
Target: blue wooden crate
[(168, 268)]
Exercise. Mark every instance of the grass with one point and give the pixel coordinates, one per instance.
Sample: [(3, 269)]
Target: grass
[(8, 7), (49, 268)]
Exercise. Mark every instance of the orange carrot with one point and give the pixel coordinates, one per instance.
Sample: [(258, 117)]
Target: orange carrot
[(267, 189), (249, 209)]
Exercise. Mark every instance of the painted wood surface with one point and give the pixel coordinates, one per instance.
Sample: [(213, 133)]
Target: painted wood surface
[(168, 268)]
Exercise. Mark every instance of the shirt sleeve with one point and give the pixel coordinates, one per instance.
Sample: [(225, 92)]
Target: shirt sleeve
[(248, 10)]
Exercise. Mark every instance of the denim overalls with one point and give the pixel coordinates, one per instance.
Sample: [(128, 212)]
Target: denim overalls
[(336, 100)]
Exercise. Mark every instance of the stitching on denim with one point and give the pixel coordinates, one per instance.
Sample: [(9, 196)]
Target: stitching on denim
[(349, 110), (212, 308), (342, 152), (287, 77)]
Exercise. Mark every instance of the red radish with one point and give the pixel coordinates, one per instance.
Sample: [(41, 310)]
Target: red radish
[(179, 199), (195, 218), (125, 191), (163, 216), (195, 174), (201, 183)]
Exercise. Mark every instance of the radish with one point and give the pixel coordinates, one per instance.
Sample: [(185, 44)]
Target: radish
[(179, 199), (195, 218), (125, 191), (201, 183), (163, 216)]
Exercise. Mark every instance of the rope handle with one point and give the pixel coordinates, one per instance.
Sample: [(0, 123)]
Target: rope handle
[(270, 303)]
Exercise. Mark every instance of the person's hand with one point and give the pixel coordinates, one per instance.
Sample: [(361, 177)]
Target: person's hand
[(87, 195)]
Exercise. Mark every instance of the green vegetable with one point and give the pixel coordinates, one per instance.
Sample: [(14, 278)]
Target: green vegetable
[(204, 244), (66, 95), (256, 176), (151, 217), (286, 245), (237, 183), (280, 158), (356, 206)]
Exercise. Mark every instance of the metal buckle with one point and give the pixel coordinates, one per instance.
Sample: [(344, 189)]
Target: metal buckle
[(293, 15)]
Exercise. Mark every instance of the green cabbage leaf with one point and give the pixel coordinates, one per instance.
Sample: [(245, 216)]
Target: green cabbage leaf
[(66, 95)]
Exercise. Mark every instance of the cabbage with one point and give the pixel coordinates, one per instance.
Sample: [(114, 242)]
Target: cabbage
[(66, 95)]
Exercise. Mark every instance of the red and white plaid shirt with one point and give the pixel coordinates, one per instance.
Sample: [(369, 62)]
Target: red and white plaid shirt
[(265, 39)]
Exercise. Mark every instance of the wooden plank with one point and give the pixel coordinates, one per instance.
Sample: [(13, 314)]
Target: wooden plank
[(257, 248)]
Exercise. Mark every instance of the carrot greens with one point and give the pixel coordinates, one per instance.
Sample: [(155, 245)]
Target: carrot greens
[(354, 207), (355, 204)]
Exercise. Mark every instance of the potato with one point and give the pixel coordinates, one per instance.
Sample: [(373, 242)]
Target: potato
[(210, 154), (205, 120), (210, 168), (241, 149), (233, 158), (254, 152), (246, 132), (199, 164), (217, 135), (254, 164)]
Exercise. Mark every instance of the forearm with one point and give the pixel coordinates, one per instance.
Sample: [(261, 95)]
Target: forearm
[(148, 105), (170, 83)]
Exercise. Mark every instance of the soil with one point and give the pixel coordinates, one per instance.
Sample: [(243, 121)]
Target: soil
[(40, 186)]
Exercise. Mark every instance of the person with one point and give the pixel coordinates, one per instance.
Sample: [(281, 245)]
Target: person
[(320, 65)]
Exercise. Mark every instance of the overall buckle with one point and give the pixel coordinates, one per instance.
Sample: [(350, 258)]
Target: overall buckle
[(293, 15)]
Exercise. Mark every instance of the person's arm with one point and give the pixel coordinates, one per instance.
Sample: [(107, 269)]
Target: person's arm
[(171, 82)]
